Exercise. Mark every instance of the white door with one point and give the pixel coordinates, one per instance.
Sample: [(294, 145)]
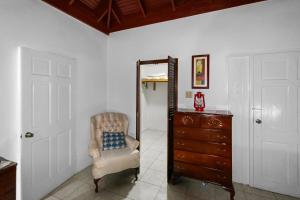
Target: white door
[(276, 87), (47, 122)]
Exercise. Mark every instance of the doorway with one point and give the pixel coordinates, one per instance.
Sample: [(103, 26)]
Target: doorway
[(155, 106), (48, 134)]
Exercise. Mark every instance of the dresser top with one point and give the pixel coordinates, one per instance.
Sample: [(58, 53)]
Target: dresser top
[(5, 165), (210, 112)]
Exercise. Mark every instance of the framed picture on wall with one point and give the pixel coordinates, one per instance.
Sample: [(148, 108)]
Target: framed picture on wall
[(200, 71)]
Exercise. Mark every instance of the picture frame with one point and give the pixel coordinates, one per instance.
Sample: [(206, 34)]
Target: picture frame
[(200, 71)]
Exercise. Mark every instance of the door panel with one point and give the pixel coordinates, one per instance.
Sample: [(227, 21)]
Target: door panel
[(298, 110), (64, 70), (275, 113), (275, 67), (41, 165), (41, 66), (63, 151), (172, 107), (64, 94), (41, 103), (48, 157), (298, 68), (275, 167), (276, 138)]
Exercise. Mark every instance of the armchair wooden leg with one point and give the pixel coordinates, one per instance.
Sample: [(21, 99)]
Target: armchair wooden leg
[(137, 171), (96, 184)]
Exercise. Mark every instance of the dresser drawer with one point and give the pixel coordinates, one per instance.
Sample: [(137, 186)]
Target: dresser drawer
[(213, 162), (8, 195), (201, 173), (215, 122), (186, 120), (7, 180), (203, 148), (207, 135)]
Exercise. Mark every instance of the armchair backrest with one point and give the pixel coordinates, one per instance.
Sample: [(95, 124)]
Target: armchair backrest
[(109, 122)]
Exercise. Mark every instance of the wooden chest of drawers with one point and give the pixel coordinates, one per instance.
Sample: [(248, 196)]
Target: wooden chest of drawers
[(8, 182), (202, 147)]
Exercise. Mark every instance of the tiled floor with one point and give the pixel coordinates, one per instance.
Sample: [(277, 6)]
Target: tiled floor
[(152, 183)]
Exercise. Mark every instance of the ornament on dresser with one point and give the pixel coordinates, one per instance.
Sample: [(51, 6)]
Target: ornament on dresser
[(199, 102)]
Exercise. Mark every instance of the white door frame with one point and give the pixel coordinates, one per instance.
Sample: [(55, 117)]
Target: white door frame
[(251, 100), (23, 115)]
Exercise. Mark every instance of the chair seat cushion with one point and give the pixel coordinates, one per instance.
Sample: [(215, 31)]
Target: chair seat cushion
[(113, 140), (116, 160)]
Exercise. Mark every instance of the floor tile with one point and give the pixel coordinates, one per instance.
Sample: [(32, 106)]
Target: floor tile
[(239, 195), (154, 177), (180, 187), (159, 165), (284, 197), (51, 198), (169, 195), (143, 191), (81, 192), (162, 156), (238, 186), (221, 194), (197, 190), (252, 196), (259, 192), (67, 190), (152, 154)]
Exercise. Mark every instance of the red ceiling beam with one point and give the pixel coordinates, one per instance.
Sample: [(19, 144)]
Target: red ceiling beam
[(109, 13), (142, 8), (173, 5), (71, 2), (101, 16), (116, 16)]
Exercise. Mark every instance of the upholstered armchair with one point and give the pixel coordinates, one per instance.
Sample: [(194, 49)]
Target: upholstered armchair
[(116, 160)]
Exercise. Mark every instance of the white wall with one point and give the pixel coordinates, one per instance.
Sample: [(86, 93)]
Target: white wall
[(34, 24), (269, 25), (154, 103)]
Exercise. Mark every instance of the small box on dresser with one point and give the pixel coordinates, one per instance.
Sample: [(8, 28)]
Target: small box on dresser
[(202, 147), (8, 182)]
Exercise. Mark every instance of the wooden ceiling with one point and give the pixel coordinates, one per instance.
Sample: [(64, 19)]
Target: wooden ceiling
[(114, 15)]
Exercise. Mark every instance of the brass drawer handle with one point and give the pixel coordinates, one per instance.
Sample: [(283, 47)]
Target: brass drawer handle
[(181, 143), (187, 119), (181, 156), (222, 137), (215, 123), (180, 167), (181, 132), (221, 163), (223, 150), (221, 176)]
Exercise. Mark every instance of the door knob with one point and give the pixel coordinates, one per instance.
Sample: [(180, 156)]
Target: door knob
[(29, 135), (258, 121)]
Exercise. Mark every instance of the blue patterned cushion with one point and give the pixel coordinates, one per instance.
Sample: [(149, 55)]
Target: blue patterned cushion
[(113, 140)]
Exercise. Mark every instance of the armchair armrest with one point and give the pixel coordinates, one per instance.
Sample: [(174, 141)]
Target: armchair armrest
[(94, 150), (131, 142)]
